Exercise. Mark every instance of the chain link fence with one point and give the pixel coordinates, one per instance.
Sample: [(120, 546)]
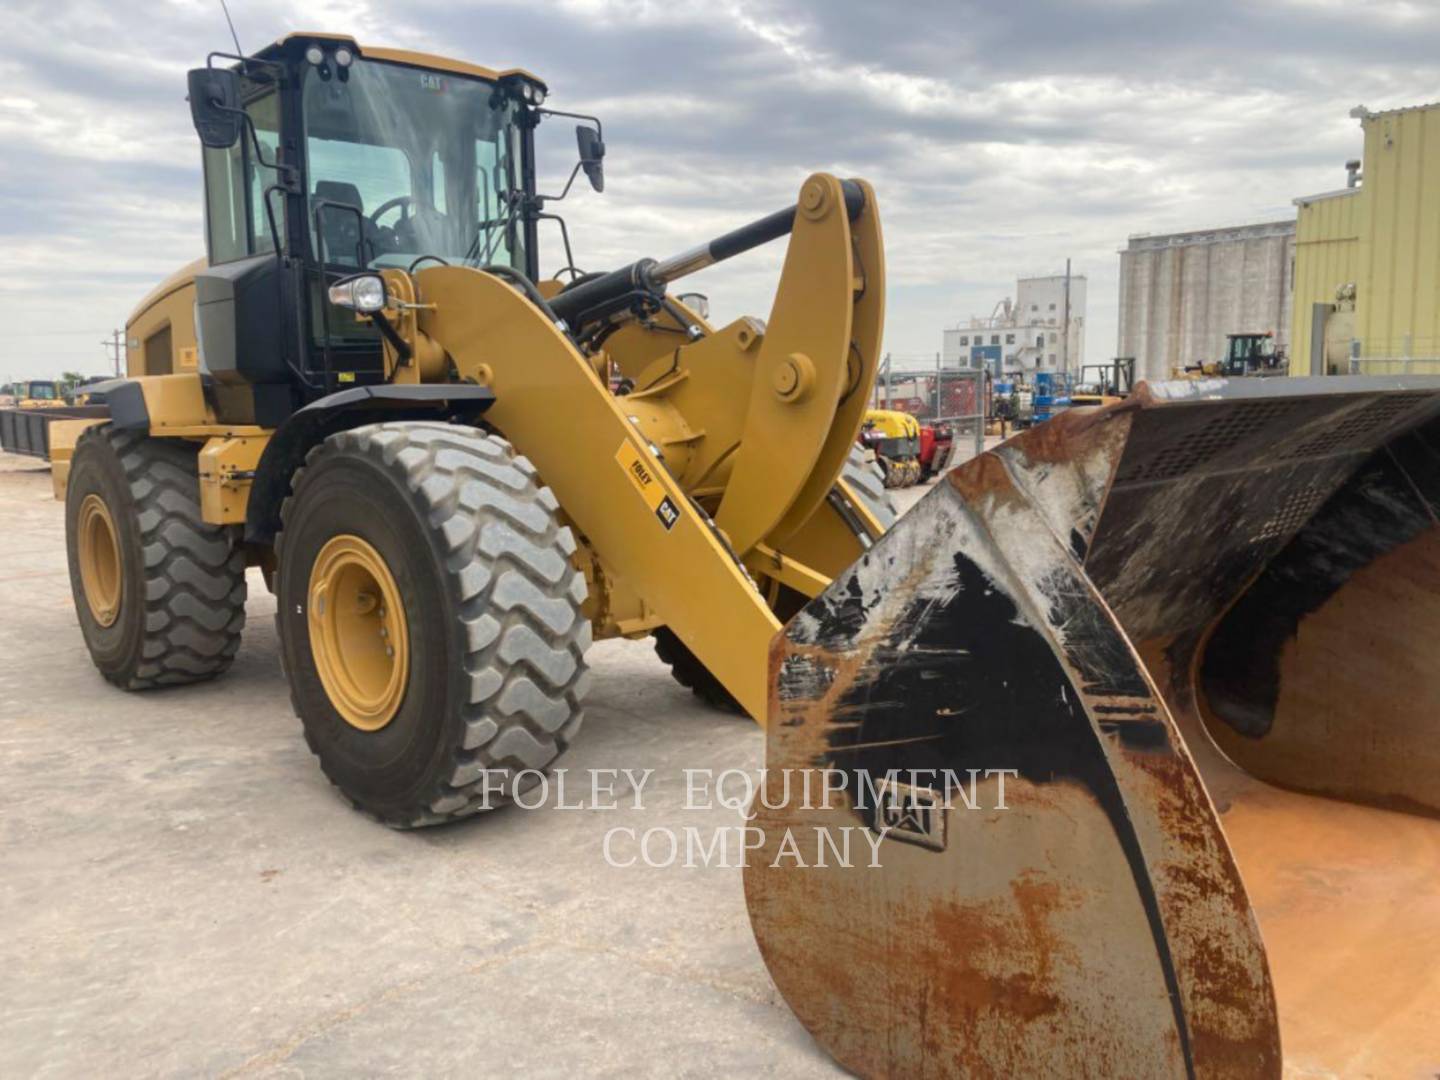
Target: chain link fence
[(954, 397)]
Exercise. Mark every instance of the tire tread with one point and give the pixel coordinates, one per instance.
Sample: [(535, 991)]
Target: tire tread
[(513, 590), (194, 584)]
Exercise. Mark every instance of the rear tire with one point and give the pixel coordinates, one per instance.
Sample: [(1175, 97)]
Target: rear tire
[(159, 593), (687, 670), (493, 636), (866, 481)]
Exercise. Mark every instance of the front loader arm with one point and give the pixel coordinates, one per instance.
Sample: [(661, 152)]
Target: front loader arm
[(780, 403), (617, 464), (814, 372), (551, 405)]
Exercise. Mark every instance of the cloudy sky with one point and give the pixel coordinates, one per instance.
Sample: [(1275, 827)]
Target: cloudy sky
[(1001, 137)]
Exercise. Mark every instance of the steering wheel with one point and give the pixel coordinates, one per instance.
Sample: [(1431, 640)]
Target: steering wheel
[(402, 201)]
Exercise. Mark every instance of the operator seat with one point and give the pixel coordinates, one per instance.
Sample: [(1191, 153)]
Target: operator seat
[(338, 227)]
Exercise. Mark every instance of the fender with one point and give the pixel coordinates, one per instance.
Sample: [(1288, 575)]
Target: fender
[(456, 403)]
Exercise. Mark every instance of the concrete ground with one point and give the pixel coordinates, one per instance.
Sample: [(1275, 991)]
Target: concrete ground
[(181, 891)]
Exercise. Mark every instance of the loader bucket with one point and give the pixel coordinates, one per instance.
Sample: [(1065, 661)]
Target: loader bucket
[(1094, 702)]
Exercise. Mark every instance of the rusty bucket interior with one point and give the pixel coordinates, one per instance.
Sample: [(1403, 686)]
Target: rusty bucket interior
[(1144, 705)]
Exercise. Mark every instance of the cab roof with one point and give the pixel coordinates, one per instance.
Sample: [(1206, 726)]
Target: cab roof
[(428, 61)]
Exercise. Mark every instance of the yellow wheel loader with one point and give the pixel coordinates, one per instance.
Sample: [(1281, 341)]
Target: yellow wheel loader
[(454, 475), (35, 394)]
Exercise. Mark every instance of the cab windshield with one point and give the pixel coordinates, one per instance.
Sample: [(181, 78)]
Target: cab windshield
[(428, 159), (43, 391)]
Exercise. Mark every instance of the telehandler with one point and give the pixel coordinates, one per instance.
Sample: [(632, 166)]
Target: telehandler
[(453, 475)]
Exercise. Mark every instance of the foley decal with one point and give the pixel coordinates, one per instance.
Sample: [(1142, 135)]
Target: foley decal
[(642, 475)]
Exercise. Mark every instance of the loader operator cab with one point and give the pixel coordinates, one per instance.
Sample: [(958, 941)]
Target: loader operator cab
[(39, 390), (322, 159), (1252, 354)]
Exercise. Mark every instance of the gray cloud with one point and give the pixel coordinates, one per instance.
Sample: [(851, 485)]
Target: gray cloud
[(1001, 138)]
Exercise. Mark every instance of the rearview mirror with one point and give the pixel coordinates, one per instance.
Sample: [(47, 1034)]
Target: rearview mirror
[(592, 155), (215, 106)]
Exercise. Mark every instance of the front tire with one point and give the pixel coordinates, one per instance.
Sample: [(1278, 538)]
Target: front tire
[(159, 593), (867, 480), (444, 539)]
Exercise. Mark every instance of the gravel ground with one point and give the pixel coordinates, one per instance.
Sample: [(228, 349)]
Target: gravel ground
[(183, 893)]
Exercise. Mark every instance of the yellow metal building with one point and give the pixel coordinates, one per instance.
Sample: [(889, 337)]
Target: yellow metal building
[(1367, 257)]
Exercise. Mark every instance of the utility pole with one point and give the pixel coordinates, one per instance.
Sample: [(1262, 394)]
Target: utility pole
[(1065, 340), (114, 342), (937, 386)]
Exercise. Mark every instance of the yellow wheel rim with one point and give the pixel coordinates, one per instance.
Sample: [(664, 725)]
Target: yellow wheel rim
[(99, 552), (357, 632)]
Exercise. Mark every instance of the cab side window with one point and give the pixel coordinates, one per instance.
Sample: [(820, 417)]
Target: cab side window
[(235, 186)]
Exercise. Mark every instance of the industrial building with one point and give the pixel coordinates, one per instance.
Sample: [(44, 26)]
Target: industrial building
[(1367, 268), (1353, 284), (1042, 329), (1181, 293)]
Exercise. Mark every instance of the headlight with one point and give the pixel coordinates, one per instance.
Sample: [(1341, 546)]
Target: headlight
[(343, 57), (364, 293), (315, 55)]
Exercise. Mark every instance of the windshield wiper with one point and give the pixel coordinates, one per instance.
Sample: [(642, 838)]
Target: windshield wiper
[(492, 238), (483, 230)]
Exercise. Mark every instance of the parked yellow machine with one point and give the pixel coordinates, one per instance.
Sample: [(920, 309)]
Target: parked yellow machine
[(894, 436), (454, 475), (36, 394), (31, 409)]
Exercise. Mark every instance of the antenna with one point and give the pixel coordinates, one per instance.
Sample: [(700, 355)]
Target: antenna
[(233, 36)]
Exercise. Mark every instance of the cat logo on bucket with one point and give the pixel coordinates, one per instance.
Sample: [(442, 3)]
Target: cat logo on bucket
[(913, 814), (642, 475)]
